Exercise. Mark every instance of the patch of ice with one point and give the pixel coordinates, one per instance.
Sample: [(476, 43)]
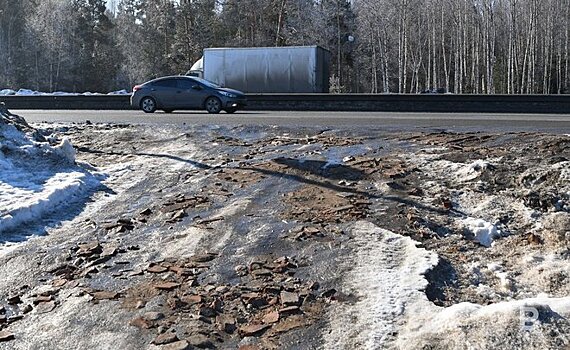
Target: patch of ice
[(484, 232)]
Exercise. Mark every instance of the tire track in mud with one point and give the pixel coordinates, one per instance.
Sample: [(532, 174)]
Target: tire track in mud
[(386, 275)]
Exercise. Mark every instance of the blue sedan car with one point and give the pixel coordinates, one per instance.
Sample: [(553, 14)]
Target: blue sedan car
[(184, 92)]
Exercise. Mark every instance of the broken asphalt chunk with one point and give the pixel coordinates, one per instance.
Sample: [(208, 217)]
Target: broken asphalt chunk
[(177, 345), (201, 258), (165, 338), (191, 299), (141, 322), (43, 308), (6, 336), (181, 271), (156, 269), (102, 295), (207, 311), (43, 299), (200, 341), (90, 248), (226, 323), (13, 300), (289, 298), (146, 212), (271, 317), (253, 329), (209, 221)]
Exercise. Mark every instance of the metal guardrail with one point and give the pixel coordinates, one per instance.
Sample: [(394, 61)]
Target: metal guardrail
[(443, 103)]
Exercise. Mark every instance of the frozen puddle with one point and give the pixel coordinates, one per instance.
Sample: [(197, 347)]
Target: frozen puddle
[(387, 274)]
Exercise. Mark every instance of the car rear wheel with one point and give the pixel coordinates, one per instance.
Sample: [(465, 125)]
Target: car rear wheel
[(213, 105), (148, 104)]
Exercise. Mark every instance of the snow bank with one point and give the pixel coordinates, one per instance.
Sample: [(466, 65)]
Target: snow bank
[(533, 323), (386, 274), (36, 178), (29, 92)]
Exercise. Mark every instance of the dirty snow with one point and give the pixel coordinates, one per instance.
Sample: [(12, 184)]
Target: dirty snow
[(381, 299)]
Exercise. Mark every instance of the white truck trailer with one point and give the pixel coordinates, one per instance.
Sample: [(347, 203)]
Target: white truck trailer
[(289, 69)]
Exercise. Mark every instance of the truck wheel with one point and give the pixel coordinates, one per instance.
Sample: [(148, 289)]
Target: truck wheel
[(148, 105), (213, 105)]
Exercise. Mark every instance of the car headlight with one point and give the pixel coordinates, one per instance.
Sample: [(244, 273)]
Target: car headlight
[(227, 94)]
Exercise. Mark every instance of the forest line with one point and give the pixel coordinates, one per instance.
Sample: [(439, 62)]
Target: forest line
[(377, 46)]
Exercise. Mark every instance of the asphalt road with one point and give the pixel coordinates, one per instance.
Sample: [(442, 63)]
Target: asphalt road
[(554, 123)]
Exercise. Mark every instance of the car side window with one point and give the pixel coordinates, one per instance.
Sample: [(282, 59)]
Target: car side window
[(170, 83), (186, 84)]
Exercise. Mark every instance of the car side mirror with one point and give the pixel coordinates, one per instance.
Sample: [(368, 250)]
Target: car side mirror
[(196, 87)]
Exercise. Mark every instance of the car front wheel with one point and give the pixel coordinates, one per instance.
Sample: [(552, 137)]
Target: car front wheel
[(148, 105), (213, 105)]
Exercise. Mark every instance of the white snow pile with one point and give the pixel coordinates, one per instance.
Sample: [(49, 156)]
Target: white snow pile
[(28, 92), (533, 323), (483, 232), (36, 179)]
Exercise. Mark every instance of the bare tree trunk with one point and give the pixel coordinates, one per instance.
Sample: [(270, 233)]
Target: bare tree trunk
[(280, 22), (374, 87), (434, 52), (444, 55), (566, 78)]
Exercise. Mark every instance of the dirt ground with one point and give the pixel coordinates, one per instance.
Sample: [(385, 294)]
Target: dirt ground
[(264, 238)]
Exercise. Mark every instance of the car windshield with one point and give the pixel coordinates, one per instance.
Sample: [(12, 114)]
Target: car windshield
[(207, 83)]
